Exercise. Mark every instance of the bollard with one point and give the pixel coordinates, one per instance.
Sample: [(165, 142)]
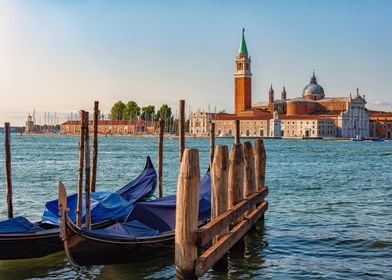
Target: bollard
[(80, 171), (95, 148), (7, 144), (260, 164), (212, 141), (236, 175), (181, 128), (237, 132), (87, 169), (187, 212), (160, 156)]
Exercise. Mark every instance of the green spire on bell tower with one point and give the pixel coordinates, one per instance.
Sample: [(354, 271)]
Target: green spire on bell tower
[(243, 49)]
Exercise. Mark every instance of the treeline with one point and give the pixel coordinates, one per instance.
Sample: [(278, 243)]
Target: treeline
[(132, 111)]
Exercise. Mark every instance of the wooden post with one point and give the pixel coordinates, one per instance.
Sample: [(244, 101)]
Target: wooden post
[(181, 127), (249, 166), (95, 148), (87, 169), (237, 132), (160, 156), (187, 212), (260, 163), (219, 179), (7, 140), (212, 141), (249, 171), (236, 175), (80, 171)]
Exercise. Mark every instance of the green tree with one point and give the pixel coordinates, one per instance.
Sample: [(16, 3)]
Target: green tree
[(148, 113), (117, 111), (166, 114), (131, 111), (223, 112)]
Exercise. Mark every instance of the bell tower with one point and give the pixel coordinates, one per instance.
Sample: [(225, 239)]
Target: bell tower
[(243, 79)]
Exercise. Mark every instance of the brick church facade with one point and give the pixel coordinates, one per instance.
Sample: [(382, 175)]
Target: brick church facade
[(311, 115)]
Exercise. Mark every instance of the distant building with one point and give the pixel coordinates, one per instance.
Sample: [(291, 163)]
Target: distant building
[(199, 123), (106, 127), (311, 115)]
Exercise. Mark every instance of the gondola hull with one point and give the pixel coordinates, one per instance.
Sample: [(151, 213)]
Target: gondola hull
[(85, 250), (34, 245), (47, 241)]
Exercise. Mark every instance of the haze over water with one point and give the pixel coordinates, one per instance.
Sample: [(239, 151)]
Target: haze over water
[(329, 211)]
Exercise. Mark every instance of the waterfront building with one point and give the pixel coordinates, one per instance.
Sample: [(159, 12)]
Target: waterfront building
[(108, 127), (199, 123), (312, 115)]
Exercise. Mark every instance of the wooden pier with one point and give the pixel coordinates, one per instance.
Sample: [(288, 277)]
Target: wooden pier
[(238, 194)]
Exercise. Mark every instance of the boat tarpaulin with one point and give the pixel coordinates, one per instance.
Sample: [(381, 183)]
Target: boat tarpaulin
[(104, 206), (151, 218), (141, 186), (132, 229), (18, 225)]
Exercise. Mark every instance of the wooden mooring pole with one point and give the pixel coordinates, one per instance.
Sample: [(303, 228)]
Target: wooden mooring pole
[(237, 131), (80, 171), (260, 164), (160, 156), (249, 171), (87, 169), (7, 141), (232, 214), (219, 181), (236, 175), (95, 147), (187, 212), (181, 127), (212, 141)]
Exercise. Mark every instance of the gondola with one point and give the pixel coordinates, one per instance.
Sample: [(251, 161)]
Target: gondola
[(21, 239), (148, 232)]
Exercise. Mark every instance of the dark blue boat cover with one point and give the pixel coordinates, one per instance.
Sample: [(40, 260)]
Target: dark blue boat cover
[(18, 225), (154, 217), (132, 229), (104, 205)]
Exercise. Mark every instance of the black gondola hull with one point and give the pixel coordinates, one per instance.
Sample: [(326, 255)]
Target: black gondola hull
[(85, 250)]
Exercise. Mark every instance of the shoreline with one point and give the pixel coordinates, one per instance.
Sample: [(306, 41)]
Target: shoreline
[(172, 136)]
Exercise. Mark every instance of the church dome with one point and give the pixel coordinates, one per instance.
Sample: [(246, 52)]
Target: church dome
[(313, 90)]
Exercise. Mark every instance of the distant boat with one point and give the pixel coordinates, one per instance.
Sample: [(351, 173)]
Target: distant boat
[(357, 138), (225, 135)]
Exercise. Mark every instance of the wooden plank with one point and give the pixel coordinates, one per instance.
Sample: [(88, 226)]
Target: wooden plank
[(160, 156), (7, 144), (181, 128), (208, 231), (219, 249), (187, 212), (95, 148)]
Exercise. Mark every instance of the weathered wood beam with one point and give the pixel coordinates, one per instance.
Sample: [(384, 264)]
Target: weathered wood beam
[(160, 156), (187, 212), (95, 148), (7, 144), (219, 177), (260, 163), (87, 169), (212, 141), (220, 248), (181, 127), (237, 132), (80, 171), (208, 231)]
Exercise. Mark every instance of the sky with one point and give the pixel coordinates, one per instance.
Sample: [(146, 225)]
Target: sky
[(60, 56)]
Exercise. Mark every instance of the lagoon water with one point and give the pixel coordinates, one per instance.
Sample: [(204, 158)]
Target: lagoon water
[(330, 214)]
